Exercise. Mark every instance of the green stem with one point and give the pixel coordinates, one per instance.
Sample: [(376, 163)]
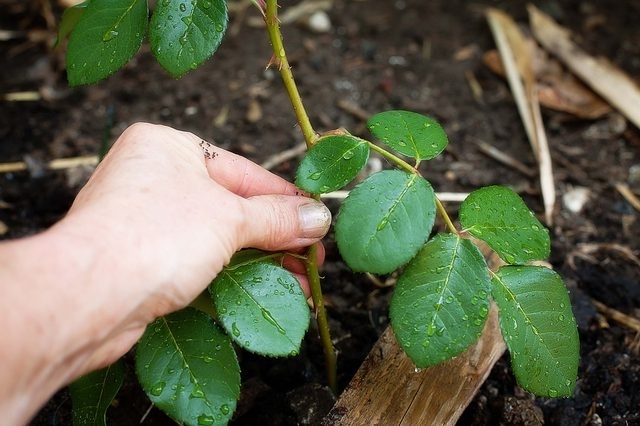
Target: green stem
[(321, 318), (310, 136), (280, 56), (393, 158), (445, 216)]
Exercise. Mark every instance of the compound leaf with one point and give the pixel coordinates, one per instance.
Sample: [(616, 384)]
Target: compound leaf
[(409, 133), (331, 163), (441, 301), (385, 220), (184, 34), (538, 328), (105, 37), (499, 217), (92, 394), (188, 368), (262, 307)]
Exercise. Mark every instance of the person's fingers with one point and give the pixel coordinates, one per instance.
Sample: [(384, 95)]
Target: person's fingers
[(280, 222), (297, 265), (241, 175)]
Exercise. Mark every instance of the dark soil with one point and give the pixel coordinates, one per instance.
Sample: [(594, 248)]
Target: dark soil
[(408, 54)]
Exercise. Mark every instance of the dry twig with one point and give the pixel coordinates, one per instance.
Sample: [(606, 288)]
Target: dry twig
[(601, 75), (521, 78)]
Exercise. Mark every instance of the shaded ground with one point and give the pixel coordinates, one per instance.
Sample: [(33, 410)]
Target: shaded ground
[(378, 55)]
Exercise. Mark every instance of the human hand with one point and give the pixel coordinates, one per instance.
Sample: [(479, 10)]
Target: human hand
[(173, 219)]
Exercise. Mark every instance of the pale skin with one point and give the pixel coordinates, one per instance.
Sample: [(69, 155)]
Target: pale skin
[(159, 218)]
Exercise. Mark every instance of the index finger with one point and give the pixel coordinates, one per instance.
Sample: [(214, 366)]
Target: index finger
[(242, 176)]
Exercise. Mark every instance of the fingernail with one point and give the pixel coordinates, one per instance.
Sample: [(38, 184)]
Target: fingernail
[(315, 219)]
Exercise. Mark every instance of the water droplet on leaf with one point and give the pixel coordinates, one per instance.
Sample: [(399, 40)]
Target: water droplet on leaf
[(205, 420), (196, 393), (109, 35), (271, 320), (224, 409), (183, 7), (235, 330), (157, 389)]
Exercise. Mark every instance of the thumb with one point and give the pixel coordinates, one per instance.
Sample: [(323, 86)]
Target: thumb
[(279, 222)]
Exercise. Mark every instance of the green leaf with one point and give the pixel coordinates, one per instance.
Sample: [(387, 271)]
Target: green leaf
[(188, 368), (499, 217), (385, 220), (70, 18), (107, 35), (184, 34), (441, 301), (262, 308), (246, 256), (538, 328), (93, 393), (331, 163), (409, 133)]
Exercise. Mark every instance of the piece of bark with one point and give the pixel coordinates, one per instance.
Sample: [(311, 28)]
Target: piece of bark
[(601, 75), (388, 391)]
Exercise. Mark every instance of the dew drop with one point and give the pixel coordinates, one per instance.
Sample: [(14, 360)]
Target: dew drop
[(183, 7), (207, 359), (509, 258), (157, 389), (205, 420), (426, 344), (196, 393), (235, 330), (553, 393), (224, 409), (109, 35), (402, 143), (348, 155), (206, 5), (222, 310), (315, 176), (293, 353), (431, 330), (271, 320), (382, 224), (220, 28), (560, 317)]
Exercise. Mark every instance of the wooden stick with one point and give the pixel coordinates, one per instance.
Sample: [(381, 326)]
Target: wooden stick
[(387, 389), (454, 197), (601, 75), (57, 164), (506, 159), (628, 195), (617, 316)]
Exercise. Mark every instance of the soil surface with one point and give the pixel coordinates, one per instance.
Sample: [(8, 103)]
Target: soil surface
[(404, 54)]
